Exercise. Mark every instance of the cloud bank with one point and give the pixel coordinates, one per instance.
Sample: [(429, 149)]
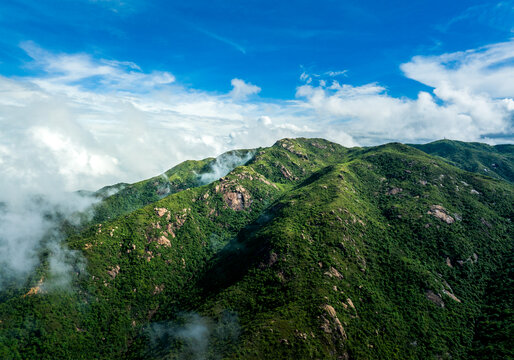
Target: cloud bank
[(96, 121)]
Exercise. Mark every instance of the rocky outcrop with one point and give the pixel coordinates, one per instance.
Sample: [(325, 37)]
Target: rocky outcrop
[(332, 272), (114, 271), (163, 240), (161, 211), (36, 289), (440, 212), (290, 147), (449, 294), (235, 196), (286, 173), (255, 176), (435, 298), (325, 326), (236, 200)]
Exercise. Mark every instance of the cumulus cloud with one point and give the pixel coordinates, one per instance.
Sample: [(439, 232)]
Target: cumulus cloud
[(471, 100), (91, 122), (242, 89), (487, 70), (97, 121)]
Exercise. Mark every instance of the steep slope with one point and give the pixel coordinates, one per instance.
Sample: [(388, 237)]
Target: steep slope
[(380, 257), (495, 161), (309, 250), (124, 198), (143, 261)]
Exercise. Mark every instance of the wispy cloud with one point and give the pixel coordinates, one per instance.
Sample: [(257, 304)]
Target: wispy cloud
[(222, 39), (82, 69), (323, 77), (497, 15), (336, 73)]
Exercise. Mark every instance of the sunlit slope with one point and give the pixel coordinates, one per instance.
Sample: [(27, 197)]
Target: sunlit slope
[(495, 161), (123, 198), (385, 256), (316, 251)]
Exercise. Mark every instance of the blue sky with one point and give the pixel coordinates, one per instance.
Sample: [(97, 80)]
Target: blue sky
[(101, 91), (270, 43)]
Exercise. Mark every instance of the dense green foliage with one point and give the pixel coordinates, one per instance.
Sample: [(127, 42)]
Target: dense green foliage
[(495, 161), (309, 250), (123, 198)]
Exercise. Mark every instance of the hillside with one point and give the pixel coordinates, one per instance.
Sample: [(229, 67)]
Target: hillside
[(495, 161), (123, 198), (305, 249)]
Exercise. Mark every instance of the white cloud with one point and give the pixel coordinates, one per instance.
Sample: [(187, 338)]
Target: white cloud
[(79, 70), (336, 73), (241, 89), (487, 70), (471, 100), (85, 134), (265, 120), (98, 121)]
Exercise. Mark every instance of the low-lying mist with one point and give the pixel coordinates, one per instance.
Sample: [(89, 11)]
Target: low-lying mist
[(224, 164), (192, 336), (32, 234)]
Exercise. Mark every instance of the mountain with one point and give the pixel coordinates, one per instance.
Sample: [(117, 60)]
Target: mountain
[(123, 198), (305, 249), (495, 161)]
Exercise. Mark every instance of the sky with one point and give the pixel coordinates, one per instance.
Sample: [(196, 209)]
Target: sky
[(95, 92)]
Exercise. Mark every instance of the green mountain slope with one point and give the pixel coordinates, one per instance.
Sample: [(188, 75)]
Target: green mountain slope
[(123, 198), (495, 161), (309, 250)]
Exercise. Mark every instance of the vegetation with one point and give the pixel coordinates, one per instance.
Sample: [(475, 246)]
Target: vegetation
[(308, 250), (495, 161)]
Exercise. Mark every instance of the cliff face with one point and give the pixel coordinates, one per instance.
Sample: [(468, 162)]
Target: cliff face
[(307, 250)]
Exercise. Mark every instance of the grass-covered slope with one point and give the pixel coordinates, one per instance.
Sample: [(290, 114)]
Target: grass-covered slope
[(495, 161), (309, 250)]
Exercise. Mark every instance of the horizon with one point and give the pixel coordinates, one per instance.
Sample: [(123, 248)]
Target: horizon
[(97, 91), (286, 138)]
